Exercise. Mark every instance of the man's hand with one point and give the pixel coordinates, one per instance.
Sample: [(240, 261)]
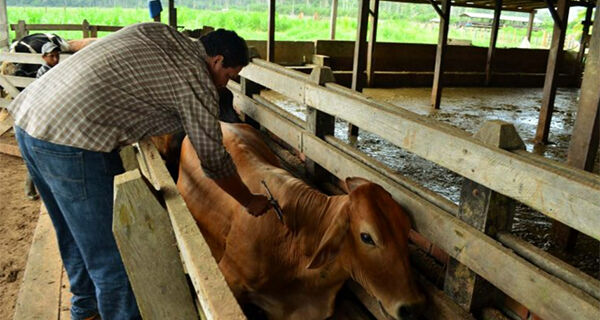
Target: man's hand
[(258, 205)]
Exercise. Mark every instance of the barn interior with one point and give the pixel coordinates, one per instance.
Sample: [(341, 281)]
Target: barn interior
[(461, 86)]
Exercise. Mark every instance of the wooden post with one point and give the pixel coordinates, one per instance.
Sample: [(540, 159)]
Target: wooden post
[(94, 31), (373, 19), (489, 212), (436, 90), (333, 18), (146, 242), (4, 33), (549, 93), (360, 53), (271, 31), (250, 88), (586, 132), (585, 37), (493, 38), (319, 123), (530, 25), (21, 30), (172, 14), (85, 28)]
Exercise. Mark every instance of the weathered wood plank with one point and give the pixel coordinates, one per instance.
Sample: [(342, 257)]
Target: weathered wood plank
[(544, 294), (64, 312), (535, 289), (8, 86), (6, 124), (40, 292), (565, 197), (213, 293), (558, 194), (552, 264), (10, 149), (20, 82), (147, 246), (31, 58)]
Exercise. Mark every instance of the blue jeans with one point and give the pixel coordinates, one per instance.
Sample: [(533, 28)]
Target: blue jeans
[(76, 186)]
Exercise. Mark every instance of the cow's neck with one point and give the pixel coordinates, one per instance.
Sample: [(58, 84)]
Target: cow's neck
[(308, 212)]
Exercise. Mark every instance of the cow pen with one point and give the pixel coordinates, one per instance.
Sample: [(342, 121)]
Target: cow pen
[(475, 233)]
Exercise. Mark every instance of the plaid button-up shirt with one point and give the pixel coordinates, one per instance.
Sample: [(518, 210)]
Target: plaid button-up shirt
[(144, 80)]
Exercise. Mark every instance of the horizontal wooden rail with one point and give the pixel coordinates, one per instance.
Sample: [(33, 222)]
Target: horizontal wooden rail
[(542, 293), (30, 58), (64, 27), (558, 193), (211, 289)]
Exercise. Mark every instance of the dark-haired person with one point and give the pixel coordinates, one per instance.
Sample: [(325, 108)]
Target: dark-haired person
[(147, 79)]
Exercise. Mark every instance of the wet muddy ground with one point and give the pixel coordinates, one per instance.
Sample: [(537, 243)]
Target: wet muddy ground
[(468, 109)]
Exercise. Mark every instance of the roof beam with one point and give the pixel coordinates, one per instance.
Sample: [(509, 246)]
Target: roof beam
[(554, 14)]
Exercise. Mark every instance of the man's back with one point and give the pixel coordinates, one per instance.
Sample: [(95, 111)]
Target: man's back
[(116, 89)]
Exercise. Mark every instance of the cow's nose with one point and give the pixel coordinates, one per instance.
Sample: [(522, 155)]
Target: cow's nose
[(410, 311)]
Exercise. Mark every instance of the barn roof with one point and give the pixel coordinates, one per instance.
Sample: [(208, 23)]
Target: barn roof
[(508, 5)]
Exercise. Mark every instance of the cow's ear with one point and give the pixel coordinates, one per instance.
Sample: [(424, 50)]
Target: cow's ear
[(331, 242), (355, 182)]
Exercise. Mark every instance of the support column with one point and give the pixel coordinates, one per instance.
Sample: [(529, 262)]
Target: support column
[(373, 19), (250, 88), (271, 39), (360, 55), (4, 40), (585, 37), (585, 138), (530, 25), (488, 212), (493, 38), (172, 14), (436, 91), (556, 51), (320, 124), (333, 19)]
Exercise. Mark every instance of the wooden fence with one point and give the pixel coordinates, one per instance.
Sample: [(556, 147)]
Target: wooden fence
[(22, 29), (492, 163)]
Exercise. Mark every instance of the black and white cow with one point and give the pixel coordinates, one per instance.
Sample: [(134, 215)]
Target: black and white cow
[(32, 44)]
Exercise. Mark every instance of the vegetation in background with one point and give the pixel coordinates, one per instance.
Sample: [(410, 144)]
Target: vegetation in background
[(296, 19)]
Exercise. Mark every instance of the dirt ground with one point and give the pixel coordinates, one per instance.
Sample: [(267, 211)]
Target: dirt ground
[(18, 218)]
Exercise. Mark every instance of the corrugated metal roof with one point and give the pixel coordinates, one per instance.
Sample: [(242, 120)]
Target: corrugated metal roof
[(508, 5)]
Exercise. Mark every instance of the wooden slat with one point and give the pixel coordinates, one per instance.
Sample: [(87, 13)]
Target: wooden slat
[(560, 194), (10, 149), (145, 239), (20, 82), (544, 294), (552, 265), (213, 293), (557, 194), (31, 58), (6, 124), (8, 86), (39, 294)]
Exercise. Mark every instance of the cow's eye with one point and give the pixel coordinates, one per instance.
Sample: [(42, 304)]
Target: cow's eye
[(366, 238)]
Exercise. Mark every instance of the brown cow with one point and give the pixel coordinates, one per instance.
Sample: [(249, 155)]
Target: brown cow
[(294, 271)]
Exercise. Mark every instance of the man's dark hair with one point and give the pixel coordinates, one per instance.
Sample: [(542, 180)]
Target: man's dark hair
[(227, 43)]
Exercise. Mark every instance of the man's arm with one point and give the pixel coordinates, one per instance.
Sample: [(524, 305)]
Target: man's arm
[(256, 204)]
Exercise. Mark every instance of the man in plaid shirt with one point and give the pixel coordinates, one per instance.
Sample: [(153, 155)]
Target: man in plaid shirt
[(144, 80)]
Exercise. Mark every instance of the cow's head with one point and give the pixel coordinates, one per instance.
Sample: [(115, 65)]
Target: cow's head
[(370, 237)]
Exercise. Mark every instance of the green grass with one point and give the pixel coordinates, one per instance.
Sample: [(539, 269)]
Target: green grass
[(253, 25)]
